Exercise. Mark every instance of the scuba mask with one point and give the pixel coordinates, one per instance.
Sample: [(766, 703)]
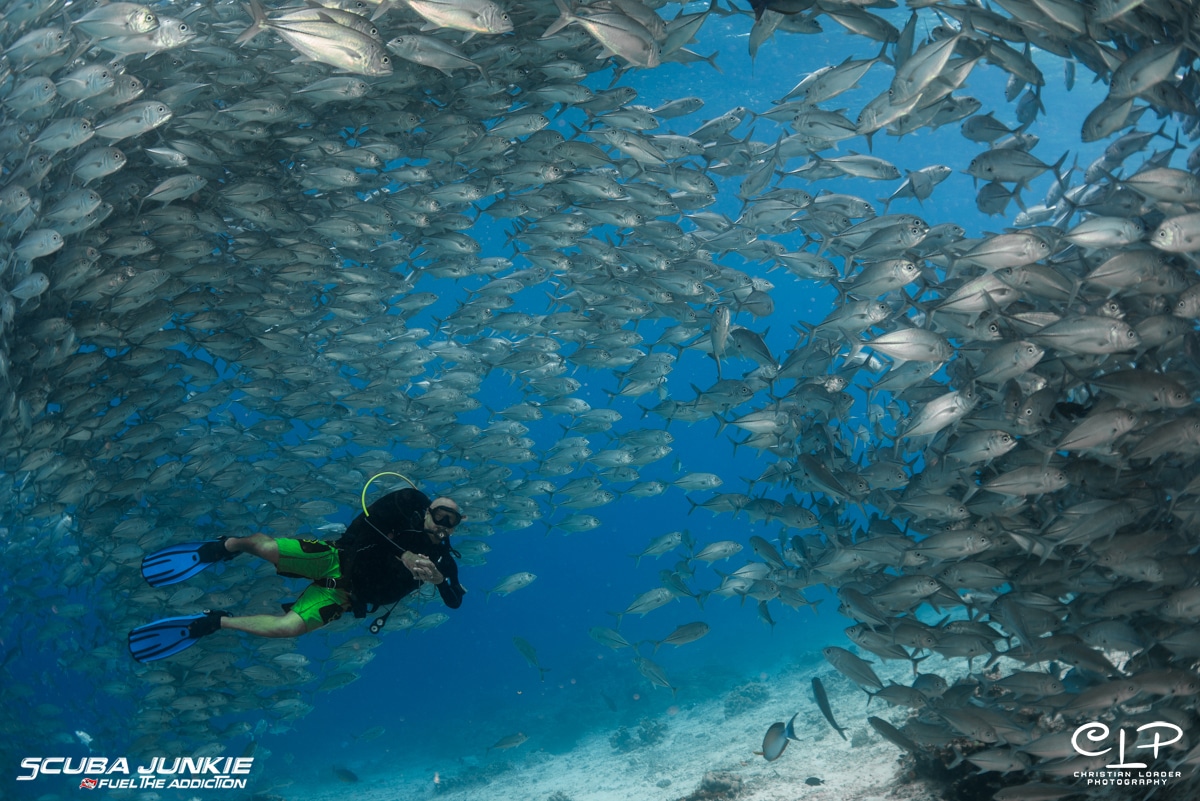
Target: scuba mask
[(445, 517)]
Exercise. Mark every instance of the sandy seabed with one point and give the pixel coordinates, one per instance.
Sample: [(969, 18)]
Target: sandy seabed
[(697, 739)]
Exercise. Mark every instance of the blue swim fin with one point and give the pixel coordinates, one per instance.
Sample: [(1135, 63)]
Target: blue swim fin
[(171, 635), (176, 563)]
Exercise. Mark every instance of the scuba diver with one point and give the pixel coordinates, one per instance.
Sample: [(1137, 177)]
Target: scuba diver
[(386, 553)]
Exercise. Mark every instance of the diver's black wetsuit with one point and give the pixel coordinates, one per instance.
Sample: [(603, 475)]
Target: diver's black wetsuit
[(372, 563)]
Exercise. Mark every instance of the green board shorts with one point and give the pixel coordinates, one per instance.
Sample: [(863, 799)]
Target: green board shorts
[(313, 559)]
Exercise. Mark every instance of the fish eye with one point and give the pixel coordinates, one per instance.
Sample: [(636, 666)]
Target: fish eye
[(183, 26)]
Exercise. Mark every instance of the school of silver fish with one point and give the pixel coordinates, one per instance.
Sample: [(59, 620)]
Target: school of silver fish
[(215, 206)]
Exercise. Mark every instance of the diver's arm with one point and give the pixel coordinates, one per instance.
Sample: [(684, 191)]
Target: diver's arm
[(451, 591)]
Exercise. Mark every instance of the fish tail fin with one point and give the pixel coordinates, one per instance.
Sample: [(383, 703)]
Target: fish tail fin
[(712, 61), (1056, 167), (255, 10), (721, 423), (1016, 196), (789, 731), (565, 18), (383, 8)]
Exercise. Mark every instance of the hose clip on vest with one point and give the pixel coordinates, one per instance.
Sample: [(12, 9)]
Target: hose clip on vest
[(363, 499), (378, 623)]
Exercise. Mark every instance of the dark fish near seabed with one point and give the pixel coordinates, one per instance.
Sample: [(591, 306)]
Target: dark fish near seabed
[(892, 734), (345, 775), (511, 741), (823, 702)]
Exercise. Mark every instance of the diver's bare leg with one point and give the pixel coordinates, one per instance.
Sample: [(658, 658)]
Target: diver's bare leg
[(285, 625), (260, 545)]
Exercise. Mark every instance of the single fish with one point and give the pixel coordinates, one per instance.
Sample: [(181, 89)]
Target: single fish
[(688, 632), (510, 584), (774, 742), (511, 741), (822, 700), (530, 655)]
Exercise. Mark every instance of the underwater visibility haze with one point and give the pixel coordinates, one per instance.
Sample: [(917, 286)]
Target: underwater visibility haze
[(768, 351)]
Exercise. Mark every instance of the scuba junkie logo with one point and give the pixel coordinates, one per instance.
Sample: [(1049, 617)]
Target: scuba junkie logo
[(187, 773)]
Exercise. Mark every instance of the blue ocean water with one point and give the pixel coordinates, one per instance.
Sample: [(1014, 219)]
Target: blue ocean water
[(451, 692), (457, 689)]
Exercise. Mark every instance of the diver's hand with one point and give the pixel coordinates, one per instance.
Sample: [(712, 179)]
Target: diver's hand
[(422, 567)]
